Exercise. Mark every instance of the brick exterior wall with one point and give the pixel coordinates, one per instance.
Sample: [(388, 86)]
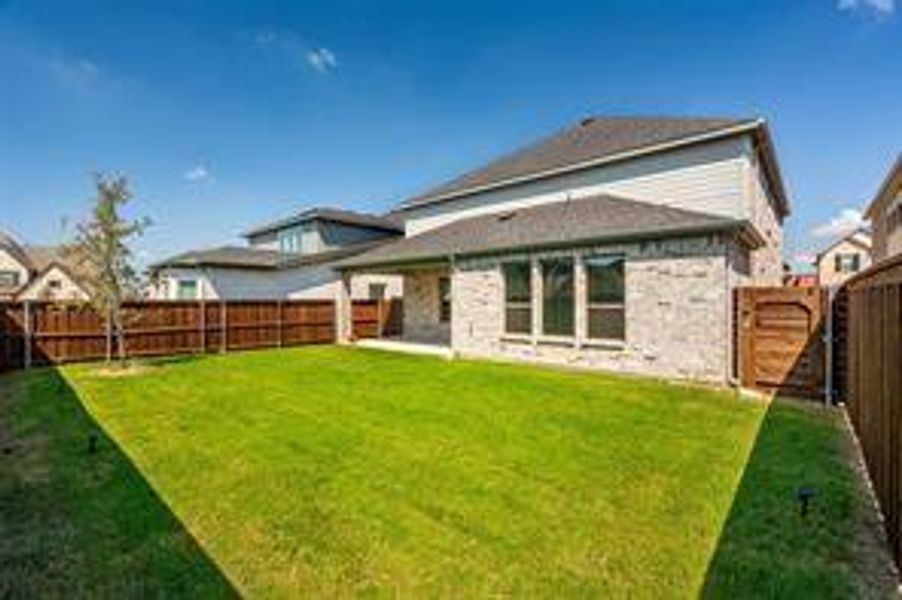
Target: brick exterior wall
[(678, 311), (421, 308)]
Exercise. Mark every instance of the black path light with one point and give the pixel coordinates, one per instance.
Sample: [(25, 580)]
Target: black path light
[(92, 443), (805, 495)]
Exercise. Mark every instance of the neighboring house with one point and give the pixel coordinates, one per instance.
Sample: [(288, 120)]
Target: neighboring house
[(885, 214), (614, 244), (844, 258), (803, 280), (289, 258), (37, 273)]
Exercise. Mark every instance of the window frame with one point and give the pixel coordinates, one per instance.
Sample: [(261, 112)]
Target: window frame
[(14, 279), (292, 234), (444, 304), (544, 326), (607, 305), (517, 304), (178, 288), (372, 286)]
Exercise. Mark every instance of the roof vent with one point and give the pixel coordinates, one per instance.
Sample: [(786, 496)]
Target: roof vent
[(587, 121), (507, 215)]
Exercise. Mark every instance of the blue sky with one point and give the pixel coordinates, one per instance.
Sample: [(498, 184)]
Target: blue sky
[(227, 114)]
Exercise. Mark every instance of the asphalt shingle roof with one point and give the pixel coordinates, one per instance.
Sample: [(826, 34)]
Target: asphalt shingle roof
[(601, 218), (336, 215), (239, 257), (589, 140)]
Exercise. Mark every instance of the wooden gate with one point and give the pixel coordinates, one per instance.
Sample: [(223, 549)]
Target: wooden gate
[(781, 339)]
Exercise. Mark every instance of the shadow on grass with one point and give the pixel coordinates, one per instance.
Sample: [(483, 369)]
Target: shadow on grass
[(77, 522), (767, 548)]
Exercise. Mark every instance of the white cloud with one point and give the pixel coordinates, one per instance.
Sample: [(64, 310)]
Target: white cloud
[(879, 7), (847, 221), (198, 173), (804, 258), (322, 60)]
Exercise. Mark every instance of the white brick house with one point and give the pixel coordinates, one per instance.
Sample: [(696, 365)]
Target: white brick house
[(614, 244)]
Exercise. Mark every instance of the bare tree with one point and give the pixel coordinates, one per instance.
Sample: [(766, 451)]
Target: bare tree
[(102, 254)]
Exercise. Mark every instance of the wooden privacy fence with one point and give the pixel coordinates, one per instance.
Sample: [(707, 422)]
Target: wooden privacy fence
[(376, 318), (780, 339), (37, 333), (51, 333), (869, 322)]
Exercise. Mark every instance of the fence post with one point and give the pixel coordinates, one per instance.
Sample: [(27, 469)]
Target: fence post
[(224, 326), (828, 345), (279, 321), (379, 314), (202, 325), (28, 332)]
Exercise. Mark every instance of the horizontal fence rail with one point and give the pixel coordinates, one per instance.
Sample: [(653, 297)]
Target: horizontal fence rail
[(868, 376), (40, 333)]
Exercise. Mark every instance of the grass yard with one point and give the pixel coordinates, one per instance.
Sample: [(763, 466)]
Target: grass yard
[(334, 471)]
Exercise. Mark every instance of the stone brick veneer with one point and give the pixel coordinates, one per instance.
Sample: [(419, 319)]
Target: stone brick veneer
[(421, 308), (678, 303)]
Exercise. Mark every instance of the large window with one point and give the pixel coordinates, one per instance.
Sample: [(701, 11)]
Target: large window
[(847, 263), (517, 297), (186, 289), (605, 292), (557, 296), (444, 299)]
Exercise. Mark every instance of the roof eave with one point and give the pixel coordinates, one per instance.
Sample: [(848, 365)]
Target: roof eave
[(745, 231), (892, 180), (738, 129)]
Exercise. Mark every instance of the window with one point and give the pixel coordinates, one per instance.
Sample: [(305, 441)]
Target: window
[(517, 297), (186, 289), (605, 291), (444, 299), (377, 291), (289, 241), (557, 296), (9, 279), (847, 263)]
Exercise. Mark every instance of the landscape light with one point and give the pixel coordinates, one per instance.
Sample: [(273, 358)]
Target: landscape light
[(805, 495)]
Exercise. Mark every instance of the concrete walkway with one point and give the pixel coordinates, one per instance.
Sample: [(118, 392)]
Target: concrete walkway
[(406, 347)]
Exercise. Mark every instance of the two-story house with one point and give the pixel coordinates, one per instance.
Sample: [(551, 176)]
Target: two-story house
[(885, 214), (289, 258), (614, 244), (37, 273), (844, 258)]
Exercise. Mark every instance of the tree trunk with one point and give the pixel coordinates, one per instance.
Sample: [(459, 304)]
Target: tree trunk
[(109, 335)]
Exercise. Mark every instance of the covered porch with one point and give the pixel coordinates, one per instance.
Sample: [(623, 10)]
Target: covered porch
[(426, 313)]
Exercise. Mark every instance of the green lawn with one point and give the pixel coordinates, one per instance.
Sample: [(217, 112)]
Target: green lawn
[(331, 471)]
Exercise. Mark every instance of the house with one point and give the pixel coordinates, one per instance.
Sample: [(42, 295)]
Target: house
[(800, 280), (288, 258), (614, 244), (843, 258), (885, 214), (37, 273)]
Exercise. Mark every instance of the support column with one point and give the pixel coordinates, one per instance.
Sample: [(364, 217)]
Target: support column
[(536, 285), (343, 310), (579, 300)]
